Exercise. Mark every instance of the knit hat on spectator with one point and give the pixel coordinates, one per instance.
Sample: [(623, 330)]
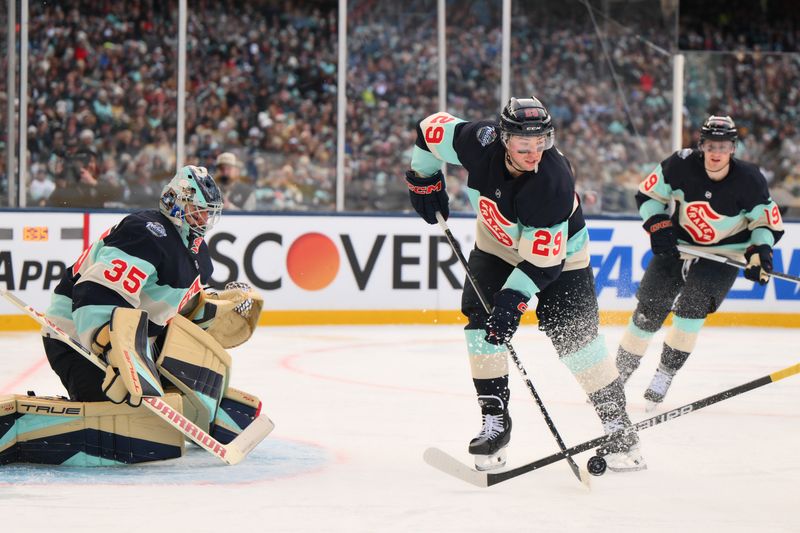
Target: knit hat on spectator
[(227, 158)]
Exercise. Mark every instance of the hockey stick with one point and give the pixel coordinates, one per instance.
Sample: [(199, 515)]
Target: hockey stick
[(449, 465), (231, 453), (732, 262), (582, 476)]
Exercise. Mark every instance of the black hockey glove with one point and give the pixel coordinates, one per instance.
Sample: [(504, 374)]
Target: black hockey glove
[(663, 240), (428, 195), (509, 305), (759, 263)]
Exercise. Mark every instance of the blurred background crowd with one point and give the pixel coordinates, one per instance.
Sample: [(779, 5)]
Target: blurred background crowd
[(262, 82)]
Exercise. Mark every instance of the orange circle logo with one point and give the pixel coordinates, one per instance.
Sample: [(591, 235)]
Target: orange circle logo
[(312, 261)]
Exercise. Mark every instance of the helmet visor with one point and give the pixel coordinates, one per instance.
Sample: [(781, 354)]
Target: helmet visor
[(717, 147), (526, 144)]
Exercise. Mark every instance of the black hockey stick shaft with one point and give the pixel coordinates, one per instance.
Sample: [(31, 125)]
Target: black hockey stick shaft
[(732, 262), (549, 421), (495, 478)]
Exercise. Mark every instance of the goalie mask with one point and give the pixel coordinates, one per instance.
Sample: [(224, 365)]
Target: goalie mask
[(192, 201)]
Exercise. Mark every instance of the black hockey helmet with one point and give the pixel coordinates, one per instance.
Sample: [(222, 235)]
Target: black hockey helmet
[(525, 116), (718, 129)]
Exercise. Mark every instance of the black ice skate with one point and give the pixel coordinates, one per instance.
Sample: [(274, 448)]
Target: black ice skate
[(489, 445), (623, 454), (658, 387)]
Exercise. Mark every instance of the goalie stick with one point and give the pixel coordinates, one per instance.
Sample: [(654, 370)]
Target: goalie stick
[(581, 474), (449, 465), (732, 262), (232, 453)]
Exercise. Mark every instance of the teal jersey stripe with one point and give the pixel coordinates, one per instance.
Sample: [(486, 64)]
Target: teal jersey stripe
[(477, 345), (688, 325), (60, 306), (424, 163), (89, 318), (651, 208), (577, 242), (762, 236), (590, 355), (163, 293), (519, 281), (109, 253)]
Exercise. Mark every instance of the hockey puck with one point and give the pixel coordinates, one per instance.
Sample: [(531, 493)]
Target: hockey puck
[(596, 466)]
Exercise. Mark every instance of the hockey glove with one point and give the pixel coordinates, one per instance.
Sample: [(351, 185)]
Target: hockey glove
[(759, 263), (509, 305), (428, 195), (663, 240)]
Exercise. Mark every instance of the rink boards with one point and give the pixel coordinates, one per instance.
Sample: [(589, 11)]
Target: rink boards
[(351, 269)]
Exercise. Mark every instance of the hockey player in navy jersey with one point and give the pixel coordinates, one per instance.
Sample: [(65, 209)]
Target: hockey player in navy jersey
[(531, 243), (137, 298), (722, 205)]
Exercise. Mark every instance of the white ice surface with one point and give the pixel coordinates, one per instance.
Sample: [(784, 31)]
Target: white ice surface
[(355, 407)]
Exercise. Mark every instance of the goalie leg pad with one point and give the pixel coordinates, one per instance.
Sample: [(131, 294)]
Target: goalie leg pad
[(195, 363), (236, 411), (55, 431)]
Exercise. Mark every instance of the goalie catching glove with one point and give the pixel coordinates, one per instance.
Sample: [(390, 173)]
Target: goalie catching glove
[(131, 372), (231, 315)]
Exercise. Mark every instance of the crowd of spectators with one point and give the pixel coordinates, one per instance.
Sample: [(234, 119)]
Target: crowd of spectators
[(262, 87)]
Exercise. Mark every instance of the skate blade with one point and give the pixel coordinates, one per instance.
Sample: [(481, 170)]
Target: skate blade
[(490, 462), (623, 463), (651, 406)]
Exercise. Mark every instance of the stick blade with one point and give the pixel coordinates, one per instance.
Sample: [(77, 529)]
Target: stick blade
[(444, 462), (248, 439)]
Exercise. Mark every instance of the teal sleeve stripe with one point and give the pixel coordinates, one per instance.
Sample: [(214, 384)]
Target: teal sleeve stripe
[(577, 242), (688, 325), (762, 236), (60, 306), (477, 345), (163, 293), (445, 148), (759, 211), (519, 281), (639, 332), (109, 253), (590, 355), (88, 318), (424, 163), (652, 207)]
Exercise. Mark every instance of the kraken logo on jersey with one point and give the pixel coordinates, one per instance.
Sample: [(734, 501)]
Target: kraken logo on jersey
[(699, 216), (494, 221)]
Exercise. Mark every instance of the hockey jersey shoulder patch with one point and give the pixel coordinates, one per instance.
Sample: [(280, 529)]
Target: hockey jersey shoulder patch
[(686, 152), (157, 229), (486, 135)]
